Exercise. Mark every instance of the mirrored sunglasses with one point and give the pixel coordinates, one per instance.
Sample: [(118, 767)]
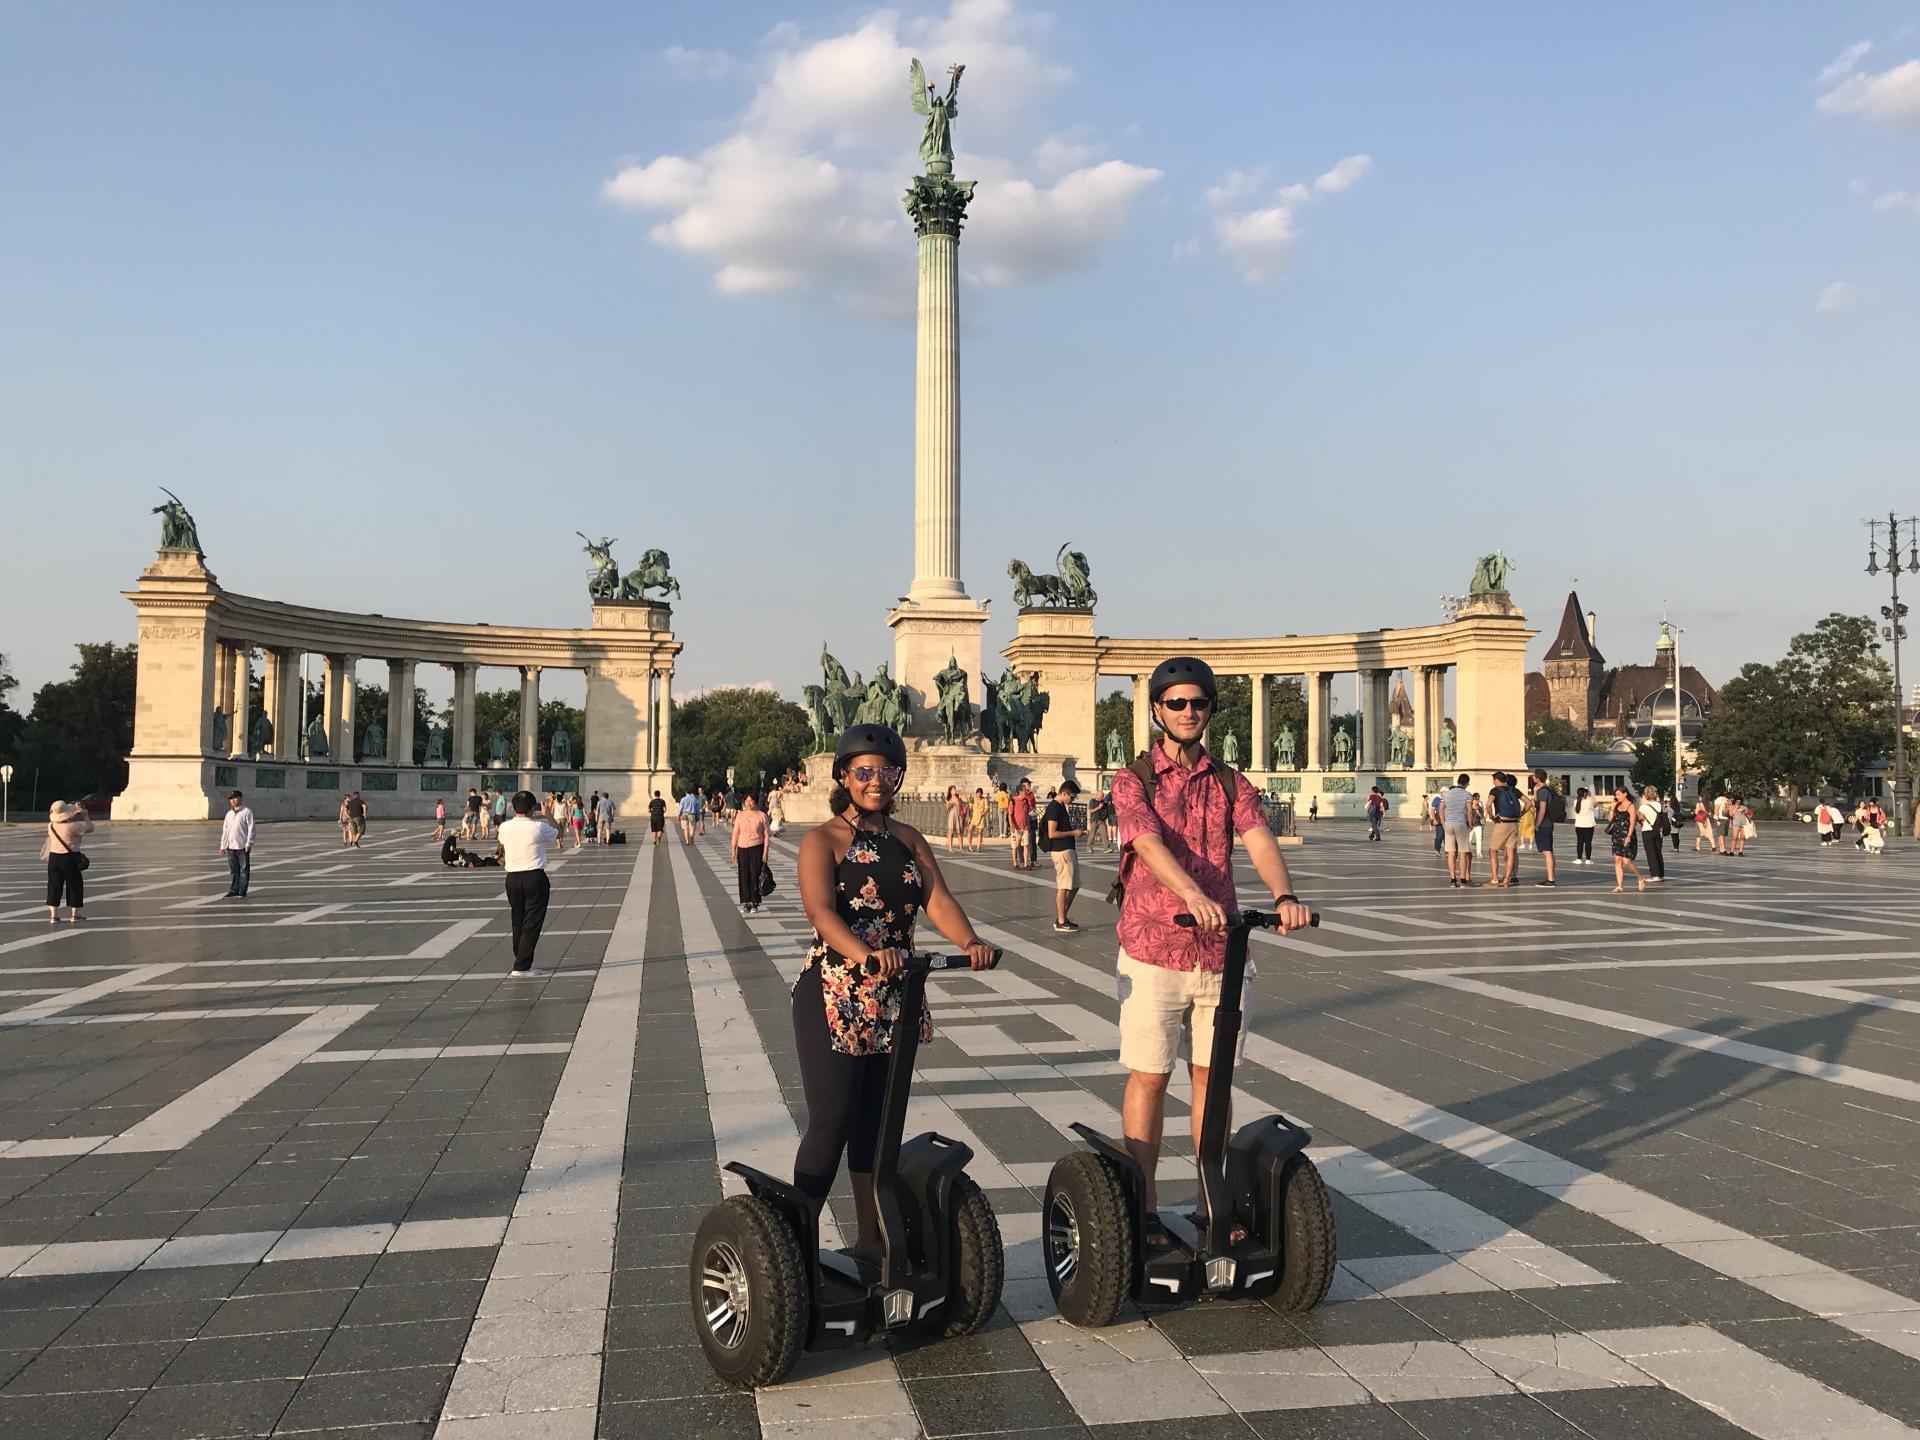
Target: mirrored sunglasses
[(891, 774)]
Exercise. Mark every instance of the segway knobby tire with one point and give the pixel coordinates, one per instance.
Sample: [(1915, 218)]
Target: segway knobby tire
[(1086, 1239), (749, 1287), (979, 1263), (1307, 1242)]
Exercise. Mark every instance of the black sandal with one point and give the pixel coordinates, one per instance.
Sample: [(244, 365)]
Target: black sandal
[(1156, 1234)]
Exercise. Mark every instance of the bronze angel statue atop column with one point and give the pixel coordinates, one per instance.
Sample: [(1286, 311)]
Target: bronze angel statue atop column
[(936, 145)]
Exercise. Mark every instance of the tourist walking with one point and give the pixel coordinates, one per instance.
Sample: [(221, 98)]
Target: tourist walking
[(236, 843), (749, 851), (470, 818), (1456, 812), (977, 821), (1549, 809), (356, 807), (656, 817), (1177, 839), (1001, 800), (1019, 812), (66, 861), (1740, 824), (843, 1013), (956, 818), (1670, 807), (689, 813), (1477, 826), (1376, 812), (1099, 821), (1823, 821), (1653, 834), (1623, 829), (1313, 809), (439, 819), (1059, 835), (1722, 811), (523, 854), (603, 817), (341, 816), (1583, 827), (1437, 823)]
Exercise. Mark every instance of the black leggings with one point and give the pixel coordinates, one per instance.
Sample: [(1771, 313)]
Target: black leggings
[(747, 860), (844, 1097), (1583, 842), (64, 873), (1656, 859)]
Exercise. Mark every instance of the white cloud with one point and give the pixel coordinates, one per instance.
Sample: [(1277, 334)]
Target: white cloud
[(1840, 295), (803, 194), (1895, 201), (1890, 96), (1260, 241), (1845, 63), (707, 64)]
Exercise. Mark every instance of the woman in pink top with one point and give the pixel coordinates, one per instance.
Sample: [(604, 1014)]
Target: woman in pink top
[(749, 851)]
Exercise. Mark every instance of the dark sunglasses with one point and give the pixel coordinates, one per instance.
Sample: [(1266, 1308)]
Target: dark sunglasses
[(1200, 703), (889, 773)]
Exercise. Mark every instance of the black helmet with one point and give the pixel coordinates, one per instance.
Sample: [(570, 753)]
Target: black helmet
[(878, 740), (1181, 670)]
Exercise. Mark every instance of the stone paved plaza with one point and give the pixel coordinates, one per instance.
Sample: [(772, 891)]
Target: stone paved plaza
[(309, 1163)]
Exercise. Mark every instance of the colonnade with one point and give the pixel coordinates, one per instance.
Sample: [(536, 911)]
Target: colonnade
[(196, 643)]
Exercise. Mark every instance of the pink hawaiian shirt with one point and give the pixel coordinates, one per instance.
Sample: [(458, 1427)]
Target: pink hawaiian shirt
[(1189, 815)]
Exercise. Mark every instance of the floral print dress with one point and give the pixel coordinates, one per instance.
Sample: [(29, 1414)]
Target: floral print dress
[(878, 891)]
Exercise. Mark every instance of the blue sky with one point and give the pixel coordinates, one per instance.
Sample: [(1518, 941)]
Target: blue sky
[(1283, 314)]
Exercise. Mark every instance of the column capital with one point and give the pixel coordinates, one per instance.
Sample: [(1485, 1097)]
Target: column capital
[(938, 204)]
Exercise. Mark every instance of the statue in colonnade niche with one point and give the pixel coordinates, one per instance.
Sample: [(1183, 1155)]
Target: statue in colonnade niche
[(1284, 753), (1342, 748), (436, 744), (373, 744), (1116, 751), (316, 739), (260, 737), (560, 749), (1230, 749), (1399, 747), (1449, 745), (222, 730), (497, 748)]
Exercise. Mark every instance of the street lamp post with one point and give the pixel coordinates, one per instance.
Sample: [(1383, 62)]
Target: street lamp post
[(6, 791), (1669, 644), (1895, 631)]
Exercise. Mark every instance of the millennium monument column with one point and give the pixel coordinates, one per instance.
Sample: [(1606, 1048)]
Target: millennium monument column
[(936, 622)]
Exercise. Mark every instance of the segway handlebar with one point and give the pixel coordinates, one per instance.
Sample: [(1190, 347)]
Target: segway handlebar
[(1251, 919), (925, 963)]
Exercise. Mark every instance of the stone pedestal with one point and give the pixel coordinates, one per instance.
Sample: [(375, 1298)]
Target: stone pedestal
[(173, 691), (925, 636), (1059, 645)]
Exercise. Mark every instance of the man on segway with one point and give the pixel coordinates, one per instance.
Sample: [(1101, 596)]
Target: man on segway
[(1178, 810)]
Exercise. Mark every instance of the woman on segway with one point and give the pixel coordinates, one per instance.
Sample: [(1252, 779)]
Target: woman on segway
[(864, 880)]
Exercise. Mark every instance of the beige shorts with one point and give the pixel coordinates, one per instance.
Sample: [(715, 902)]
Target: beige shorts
[(1504, 832), (1156, 1004), (1066, 869)]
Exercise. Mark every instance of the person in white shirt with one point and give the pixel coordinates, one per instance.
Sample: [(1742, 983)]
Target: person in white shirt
[(1651, 820), (523, 846), (236, 843)]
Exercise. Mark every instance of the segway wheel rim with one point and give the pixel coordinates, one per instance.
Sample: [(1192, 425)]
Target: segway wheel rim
[(727, 1295), (1063, 1238)]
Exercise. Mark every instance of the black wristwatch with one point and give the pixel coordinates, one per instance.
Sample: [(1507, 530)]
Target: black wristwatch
[(1284, 899)]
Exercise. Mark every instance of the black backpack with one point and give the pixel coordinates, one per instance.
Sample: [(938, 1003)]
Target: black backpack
[(1142, 767), (1556, 805)]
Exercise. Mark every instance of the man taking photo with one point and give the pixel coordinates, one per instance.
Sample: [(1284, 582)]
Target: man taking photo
[(1178, 811)]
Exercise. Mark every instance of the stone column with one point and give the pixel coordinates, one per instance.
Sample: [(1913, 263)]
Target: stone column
[(663, 759), (347, 745), (938, 205), (293, 702), (223, 680), (400, 712), (334, 674), (1423, 718), (465, 673), (239, 700), (1373, 720), (1262, 756), (1317, 740), (529, 717), (1142, 715)]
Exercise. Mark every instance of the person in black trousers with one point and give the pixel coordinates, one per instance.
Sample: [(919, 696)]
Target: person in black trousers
[(523, 846), (66, 865), (749, 851)]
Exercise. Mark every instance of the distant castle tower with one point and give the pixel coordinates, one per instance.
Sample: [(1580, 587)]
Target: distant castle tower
[(1574, 668)]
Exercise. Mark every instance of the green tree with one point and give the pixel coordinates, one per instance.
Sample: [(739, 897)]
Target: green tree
[(76, 740), (1553, 732), (1653, 761), (1812, 721), (370, 704), (755, 732), (12, 722)]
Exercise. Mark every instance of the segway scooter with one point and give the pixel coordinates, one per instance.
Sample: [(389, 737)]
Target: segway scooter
[(1259, 1183), (763, 1289)]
